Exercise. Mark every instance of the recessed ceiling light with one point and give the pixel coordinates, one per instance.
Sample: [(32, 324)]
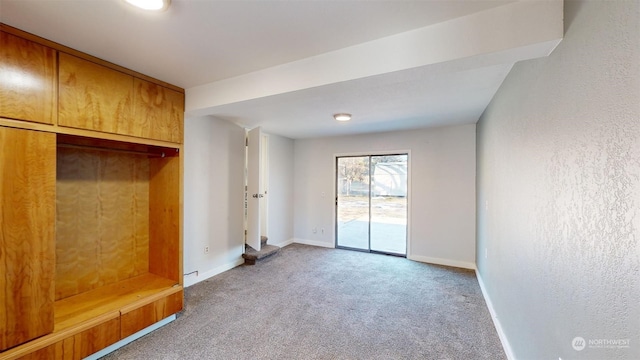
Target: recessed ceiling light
[(342, 117), (157, 5)]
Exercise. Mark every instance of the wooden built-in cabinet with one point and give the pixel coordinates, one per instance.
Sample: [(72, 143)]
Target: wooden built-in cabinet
[(159, 111), (96, 97), (92, 96), (90, 200), (28, 72), (27, 234), (81, 344), (136, 318)]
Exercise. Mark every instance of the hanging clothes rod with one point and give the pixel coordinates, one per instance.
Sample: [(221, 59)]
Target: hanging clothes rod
[(105, 149)]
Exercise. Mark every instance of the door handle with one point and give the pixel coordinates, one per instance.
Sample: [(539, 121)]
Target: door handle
[(257, 196)]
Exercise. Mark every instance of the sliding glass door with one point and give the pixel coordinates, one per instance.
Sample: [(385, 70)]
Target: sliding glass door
[(371, 203), (353, 202)]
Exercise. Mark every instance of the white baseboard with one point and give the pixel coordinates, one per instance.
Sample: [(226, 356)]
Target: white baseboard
[(196, 278), (445, 262), (314, 243), (284, 243), (130, 338), (496, 322)]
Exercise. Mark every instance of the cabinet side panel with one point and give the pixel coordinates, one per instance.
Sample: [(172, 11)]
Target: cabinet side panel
[(27, 80), (27, 215), (164, 217), (92, 96), (102, 234)]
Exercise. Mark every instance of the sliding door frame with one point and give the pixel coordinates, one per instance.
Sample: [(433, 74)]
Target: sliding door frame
[(335, 197)]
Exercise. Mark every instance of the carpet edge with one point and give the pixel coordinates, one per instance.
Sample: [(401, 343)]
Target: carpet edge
[(445, 262), (211, 273), (313, 243)]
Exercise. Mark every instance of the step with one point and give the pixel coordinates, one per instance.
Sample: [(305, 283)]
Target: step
[(251, 255)]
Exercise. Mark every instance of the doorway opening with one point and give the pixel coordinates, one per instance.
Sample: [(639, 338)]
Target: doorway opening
[(372, 203), (256, 188)]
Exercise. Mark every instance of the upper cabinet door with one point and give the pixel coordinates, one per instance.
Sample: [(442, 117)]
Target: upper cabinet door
[(27, 234), (27, 80), (92, 96), (158, 112)]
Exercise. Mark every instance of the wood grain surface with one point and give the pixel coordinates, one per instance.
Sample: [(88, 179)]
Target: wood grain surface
[(127, 294), (83, 344), (28, 83), (158, 112), (93, 96), (164, 217), (138, 319), (102, 223), (27, 250)]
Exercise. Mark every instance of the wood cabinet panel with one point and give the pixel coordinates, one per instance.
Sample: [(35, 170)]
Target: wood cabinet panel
[(158, 112), (102, 220), (87, 342), (27, 237), (93, 96), (138, 319), (165, 251), (28, 88)]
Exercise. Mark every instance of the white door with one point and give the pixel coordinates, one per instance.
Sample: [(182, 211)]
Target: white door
[(254, 187)]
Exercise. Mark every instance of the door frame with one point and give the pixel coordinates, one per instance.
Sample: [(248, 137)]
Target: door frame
[(256, 179), (335, 195)]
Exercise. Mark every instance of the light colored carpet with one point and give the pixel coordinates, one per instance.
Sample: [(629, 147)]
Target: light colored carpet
[(315, 303)]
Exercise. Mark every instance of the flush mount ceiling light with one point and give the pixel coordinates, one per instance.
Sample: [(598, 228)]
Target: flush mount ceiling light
[(342, 117), (155, 5)]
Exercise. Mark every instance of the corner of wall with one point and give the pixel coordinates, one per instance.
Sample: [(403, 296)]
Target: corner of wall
[(496, 322)]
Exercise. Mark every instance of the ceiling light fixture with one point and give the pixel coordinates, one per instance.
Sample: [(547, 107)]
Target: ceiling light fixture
[(342, 117), (155, 5)]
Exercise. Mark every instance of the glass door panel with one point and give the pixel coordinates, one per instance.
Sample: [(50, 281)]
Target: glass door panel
[(352, 202), (388, 229)]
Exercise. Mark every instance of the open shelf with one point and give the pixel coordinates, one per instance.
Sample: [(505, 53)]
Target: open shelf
[(88, 322), (133, 292)]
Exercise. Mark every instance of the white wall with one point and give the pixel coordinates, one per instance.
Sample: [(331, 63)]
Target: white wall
[(559, 191), (442, 199), (280, 192), (213, 197)]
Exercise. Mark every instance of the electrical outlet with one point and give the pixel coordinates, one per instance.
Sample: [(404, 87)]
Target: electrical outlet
[(314, 230), (486, 253), (206, 249)]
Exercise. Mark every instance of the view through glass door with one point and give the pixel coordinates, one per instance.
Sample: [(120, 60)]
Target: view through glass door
[(371, 203)]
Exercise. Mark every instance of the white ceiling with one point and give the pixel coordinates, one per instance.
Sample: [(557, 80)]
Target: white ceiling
[(205, 46)]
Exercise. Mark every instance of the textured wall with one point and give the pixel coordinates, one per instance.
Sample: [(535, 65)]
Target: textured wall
[(558, 191), (442, 189)]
